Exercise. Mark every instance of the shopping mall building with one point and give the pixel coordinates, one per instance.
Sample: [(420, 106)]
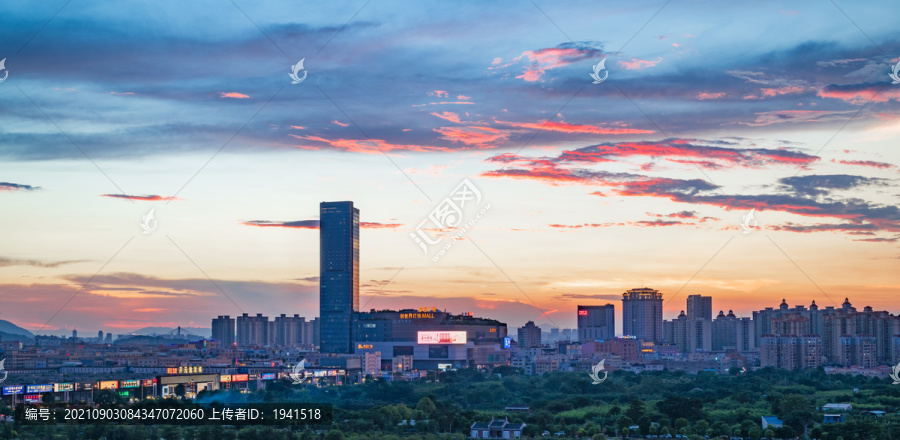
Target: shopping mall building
[(428, 339)]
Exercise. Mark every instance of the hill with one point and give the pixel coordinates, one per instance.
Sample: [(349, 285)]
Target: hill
[(164, 331), (10, 331)]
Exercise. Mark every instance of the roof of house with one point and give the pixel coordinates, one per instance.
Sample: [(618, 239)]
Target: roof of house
[(514, 426), (479, 425), (498, 423), (838, 406), (772, 420)]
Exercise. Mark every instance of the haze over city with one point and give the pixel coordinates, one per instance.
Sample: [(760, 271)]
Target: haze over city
[(642, 180)]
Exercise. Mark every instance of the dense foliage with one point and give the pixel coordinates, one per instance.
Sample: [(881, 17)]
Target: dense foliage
[(445, 406)]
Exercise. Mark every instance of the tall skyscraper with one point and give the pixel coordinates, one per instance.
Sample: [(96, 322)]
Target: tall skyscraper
[(529, 335), (338, 275), (223, 330), (596, 323), (699, 307), (642, 314)]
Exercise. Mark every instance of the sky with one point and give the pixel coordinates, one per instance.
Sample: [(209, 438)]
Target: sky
[(743, 151)]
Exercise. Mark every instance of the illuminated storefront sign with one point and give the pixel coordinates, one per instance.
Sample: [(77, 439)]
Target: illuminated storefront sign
[(130, 384), (32, 398), (149, 382), (191, 369), (225, 378), (60, 387), (364, 346), (109, 384), (14, 389), (582, 313), (442, 337), (419, 315), (44, 388), (268, 376), (240, 377), (506, 342)]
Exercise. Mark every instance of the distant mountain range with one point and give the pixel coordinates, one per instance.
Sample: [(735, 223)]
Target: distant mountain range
[(11, 332), (164, 331)]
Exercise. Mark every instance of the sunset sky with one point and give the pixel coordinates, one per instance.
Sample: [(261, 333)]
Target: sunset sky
[(710, 109)]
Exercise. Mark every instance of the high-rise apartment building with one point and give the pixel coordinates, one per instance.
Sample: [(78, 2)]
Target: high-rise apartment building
[(699, 307), (289, 330), (252, 330), (338, 275), (642, 314), (859, 351), (223, 330), (790, 352), (895, 350), (596, 323), (692, 335), (310, 333), (529, 335)]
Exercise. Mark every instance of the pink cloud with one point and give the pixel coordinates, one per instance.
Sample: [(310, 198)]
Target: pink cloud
[(336, 122), (450, 116), (860, 94), (573, 128), (233, 95), (545, 59), (481, 137), (704, 95), (438, 93), (150, 198), (638, 64), (865, 163), (786, 90), (374, 146), (532, 74)]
